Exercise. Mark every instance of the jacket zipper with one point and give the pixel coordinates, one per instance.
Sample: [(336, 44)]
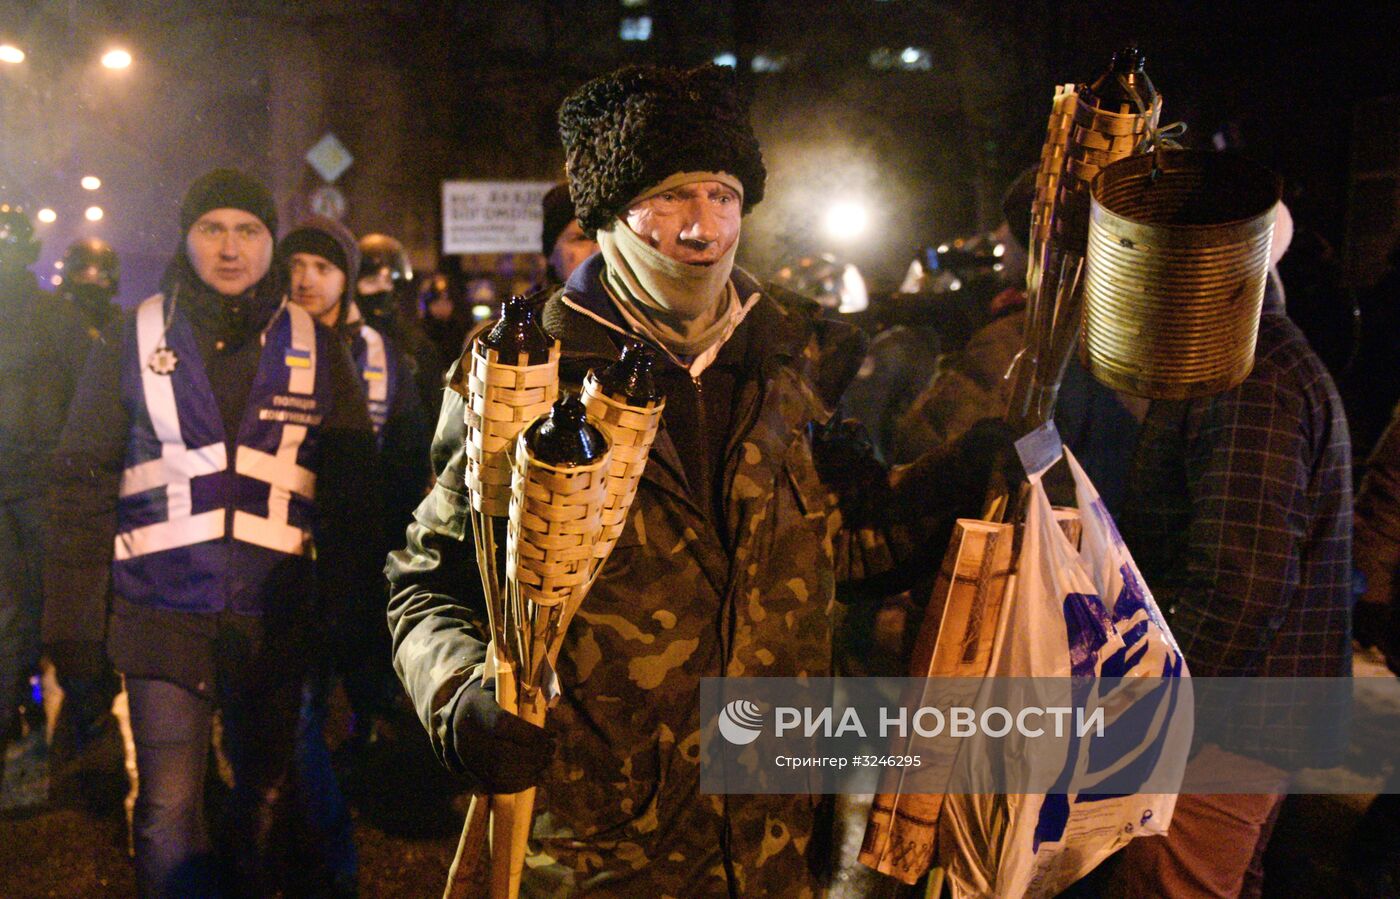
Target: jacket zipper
[(728, 607)]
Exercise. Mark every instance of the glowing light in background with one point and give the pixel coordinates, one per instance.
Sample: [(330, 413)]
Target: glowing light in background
[(116, 59), (635, 28), (727, 59), (93, 214), (766, 63), (11, 54), (846, 220), (854, 295), (46, 215), (481, 311), (908, 59), (91, 182)]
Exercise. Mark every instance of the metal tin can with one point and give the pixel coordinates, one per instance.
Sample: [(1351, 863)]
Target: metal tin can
[(1178, 256)]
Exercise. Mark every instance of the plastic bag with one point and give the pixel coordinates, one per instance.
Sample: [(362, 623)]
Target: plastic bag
[(1055, 623)]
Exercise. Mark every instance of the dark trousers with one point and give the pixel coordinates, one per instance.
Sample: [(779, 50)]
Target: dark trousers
[(171, 725), (321, 801), (21, 599), (1215, 846)]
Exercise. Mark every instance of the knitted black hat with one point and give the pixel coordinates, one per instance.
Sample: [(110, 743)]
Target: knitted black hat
[(324, 237), (558, 212), (227, 189), (635, 127)]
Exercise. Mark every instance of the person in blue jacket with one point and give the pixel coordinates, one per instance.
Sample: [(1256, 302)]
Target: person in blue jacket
[(195, 473)]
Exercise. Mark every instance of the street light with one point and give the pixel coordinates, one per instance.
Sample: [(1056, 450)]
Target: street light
[(46, 215), (846, 220), (93, 214), (91, 182), (11, 54), (116, 59)]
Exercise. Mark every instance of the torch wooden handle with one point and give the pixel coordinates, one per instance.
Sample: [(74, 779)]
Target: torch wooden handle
[(466, 876)]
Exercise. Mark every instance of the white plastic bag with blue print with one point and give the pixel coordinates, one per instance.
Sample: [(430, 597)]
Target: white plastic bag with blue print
[(1075, 612)]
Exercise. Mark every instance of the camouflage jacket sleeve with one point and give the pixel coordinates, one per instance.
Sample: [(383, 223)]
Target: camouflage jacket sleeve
[(436, 609)]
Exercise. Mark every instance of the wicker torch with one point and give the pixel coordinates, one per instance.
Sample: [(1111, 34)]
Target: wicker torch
[(624, 401), (512, 378), (556, 516)]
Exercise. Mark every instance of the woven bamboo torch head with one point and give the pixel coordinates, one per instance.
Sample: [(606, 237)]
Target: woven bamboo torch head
[(624, 401), (559, 487), (1177, 262), (512, 380)]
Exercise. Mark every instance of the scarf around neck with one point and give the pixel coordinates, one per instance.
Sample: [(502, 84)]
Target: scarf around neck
[(685, 307)]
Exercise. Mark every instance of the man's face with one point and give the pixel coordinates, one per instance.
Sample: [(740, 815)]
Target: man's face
[(571, 248), (696, 223), (381, 281), (317, 285), (230, 250)]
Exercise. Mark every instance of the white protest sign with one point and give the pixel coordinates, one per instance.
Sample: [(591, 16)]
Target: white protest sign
[(492, 216)]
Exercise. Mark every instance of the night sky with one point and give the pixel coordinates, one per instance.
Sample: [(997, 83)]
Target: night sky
[(422, 92)]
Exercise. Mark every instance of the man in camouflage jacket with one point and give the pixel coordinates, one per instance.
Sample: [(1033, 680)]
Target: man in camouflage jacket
[(729, 561)]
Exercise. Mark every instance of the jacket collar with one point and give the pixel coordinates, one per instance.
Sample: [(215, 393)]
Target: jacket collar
[(595, 329)]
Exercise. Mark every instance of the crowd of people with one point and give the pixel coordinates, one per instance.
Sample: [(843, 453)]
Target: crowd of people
[(212, 500)]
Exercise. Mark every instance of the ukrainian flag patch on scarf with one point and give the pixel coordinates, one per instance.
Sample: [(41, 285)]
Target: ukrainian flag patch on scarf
[(297, 358), (371, 373)]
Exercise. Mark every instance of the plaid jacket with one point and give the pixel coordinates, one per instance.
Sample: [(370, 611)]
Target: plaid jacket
[(1239, 515)]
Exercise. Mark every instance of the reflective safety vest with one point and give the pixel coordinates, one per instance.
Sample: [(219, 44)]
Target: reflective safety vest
[(380, 372), (194, 534)]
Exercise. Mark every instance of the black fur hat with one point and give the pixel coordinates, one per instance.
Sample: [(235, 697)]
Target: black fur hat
[(635, 127)]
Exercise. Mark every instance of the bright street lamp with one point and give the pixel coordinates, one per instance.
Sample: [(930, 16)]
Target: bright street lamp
[(91, 182), (846, 220), (93, 214), (116, 59), (46, 215), (11, 54)]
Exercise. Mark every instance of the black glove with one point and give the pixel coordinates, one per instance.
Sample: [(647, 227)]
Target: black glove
[(503, 752), (845, 460), (988, 451)]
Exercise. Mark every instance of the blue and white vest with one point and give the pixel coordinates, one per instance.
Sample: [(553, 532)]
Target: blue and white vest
[(380, 371), (193, 533)]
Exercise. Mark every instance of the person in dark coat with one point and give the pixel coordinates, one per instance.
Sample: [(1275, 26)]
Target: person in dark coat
[(320, 255), (385, 295), (41, 351), (91, 278), (442, 316), (194, 474), (562, 240)]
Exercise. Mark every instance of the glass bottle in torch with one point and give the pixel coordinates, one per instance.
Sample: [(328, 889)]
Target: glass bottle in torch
[(624, 401)]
